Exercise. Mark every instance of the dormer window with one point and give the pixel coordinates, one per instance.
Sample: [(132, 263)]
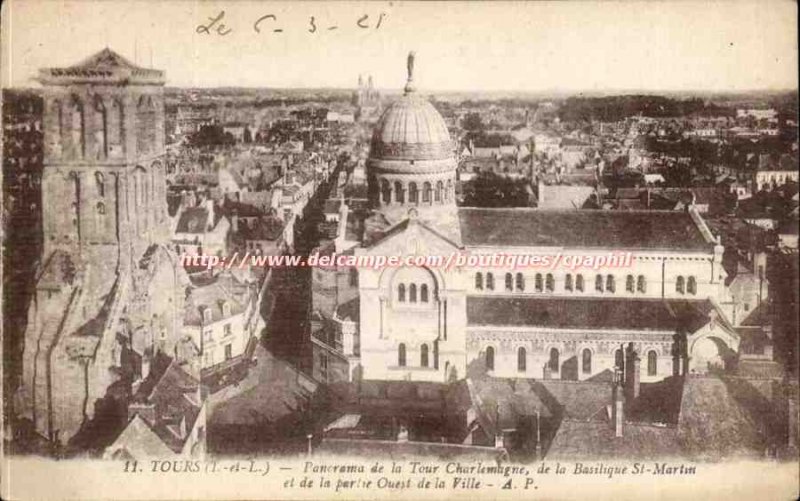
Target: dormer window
[(226, 309), (206, 314)]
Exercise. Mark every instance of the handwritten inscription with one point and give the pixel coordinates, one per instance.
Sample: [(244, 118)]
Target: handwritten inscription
[(218, 26)]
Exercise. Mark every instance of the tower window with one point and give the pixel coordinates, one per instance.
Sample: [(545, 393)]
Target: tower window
[(401, 293), (550, 283), (386, 192), (399, 195), (522, 360), (413, 195), (426, 192), (598, 283), (619, 359), (611, 285), (438, 193), (538, 283), (629, 283), (401, 355), (489, 281)]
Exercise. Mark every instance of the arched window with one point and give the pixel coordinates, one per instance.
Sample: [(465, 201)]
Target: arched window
[(641, 284), (586, 361), (413, 196), (401, 355), (423, 355), (598, 283), (522, 359), (412, 293), (679, 285), (399, 196), (579, 283), (550, 283), (489, 281), (629, 283), (101, 208), (77, 128), (401, 293), (553, 361), (619, 359), (426, 192), (568, 282), (386, 191), (490, 358), (437, 196), (611, 285), (691, 286), (537, 283), (423, 293), (479, 281), (116, 138), (509, 282), (652, 363), (520, 282), (101, 133), (100, 184)]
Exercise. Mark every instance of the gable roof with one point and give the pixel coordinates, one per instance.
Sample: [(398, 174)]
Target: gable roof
[(588, 313), (645, 230)]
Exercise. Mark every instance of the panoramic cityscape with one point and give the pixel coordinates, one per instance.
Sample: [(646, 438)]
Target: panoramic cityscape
[(202, 272)]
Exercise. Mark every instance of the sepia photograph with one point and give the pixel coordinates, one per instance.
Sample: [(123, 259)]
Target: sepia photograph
[(399, 250)]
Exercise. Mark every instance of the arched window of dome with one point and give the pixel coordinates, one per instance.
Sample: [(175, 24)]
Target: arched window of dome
[(586, 361), (611, 285), (423, 355), (401, 293), (537, 283), (679, 285), (691, 286), (401, 355), (399, 194), (412, 293), (423, 293), (652, 363), (426, 192), (479, 281), (629, 283), (413, 195), (520, 282), (550, 283), (448, 192), (489, 282), (641, 284), (522, 359), (386, 191), (490, 358), (509, 282), (568, 282), (598, 283), (579, 282), (439, 190), (553, 361)]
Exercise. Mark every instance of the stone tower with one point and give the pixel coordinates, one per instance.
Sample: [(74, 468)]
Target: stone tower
[(106, 283), (412, 164)]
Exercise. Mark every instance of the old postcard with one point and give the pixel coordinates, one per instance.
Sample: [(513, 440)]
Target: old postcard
[(399, 250)]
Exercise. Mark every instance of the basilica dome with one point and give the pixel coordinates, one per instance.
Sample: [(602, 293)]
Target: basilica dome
[(411, 129)]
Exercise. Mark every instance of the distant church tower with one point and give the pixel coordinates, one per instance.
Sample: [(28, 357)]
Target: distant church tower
[(104, 138)]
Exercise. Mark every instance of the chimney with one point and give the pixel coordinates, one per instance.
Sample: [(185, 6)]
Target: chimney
[(617, 409), (632, 374), (209, 204), (235, 223)]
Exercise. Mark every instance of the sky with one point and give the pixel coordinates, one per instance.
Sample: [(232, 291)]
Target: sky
[(499, 46)]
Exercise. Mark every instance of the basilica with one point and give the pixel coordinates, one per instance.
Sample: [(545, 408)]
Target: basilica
[(669, 312)]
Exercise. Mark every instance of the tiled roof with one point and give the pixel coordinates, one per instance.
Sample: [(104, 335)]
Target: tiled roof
[(595, 440), (581, 229), (193, 220), (211, 296), (588, 313)]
